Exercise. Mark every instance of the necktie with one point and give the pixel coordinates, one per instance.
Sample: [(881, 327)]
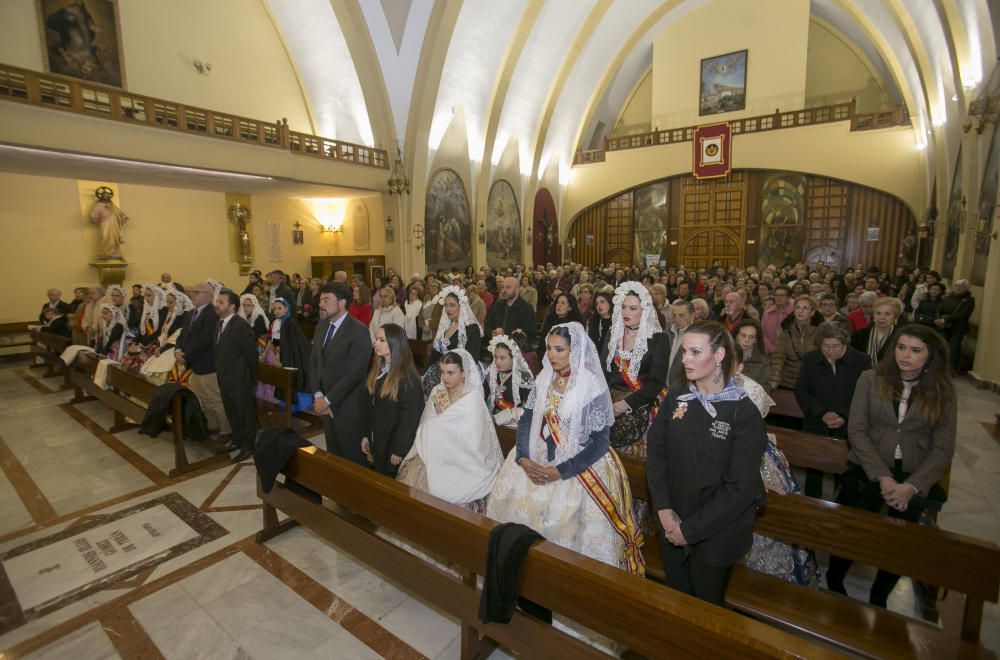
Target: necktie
[(218, 332), (329, 334)]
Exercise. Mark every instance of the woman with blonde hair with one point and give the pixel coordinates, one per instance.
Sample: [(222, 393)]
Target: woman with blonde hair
[(796, 337), (387, 311), (874, 338)]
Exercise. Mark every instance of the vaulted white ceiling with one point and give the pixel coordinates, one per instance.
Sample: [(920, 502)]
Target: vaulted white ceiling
[(542, 74)]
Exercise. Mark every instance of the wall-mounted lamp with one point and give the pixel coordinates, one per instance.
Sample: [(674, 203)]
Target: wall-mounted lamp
[(482, 232), (333, 229), (751, 241)]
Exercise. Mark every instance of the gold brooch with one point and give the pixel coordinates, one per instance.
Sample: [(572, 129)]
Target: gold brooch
[(680, 410)]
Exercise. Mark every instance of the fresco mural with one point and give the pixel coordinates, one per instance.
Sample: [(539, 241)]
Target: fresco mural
[(651, 220), (782, 216), (987, 210), (954, 221), (447, 222), (503, 226)]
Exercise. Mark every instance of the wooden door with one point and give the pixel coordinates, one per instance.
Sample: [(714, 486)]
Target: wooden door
[(713, 221)]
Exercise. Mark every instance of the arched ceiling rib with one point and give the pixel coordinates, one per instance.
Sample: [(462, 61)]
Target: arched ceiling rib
[(329, 77)]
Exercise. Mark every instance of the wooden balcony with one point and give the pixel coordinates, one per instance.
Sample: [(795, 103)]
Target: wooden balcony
[(81, 97), (777, 121)]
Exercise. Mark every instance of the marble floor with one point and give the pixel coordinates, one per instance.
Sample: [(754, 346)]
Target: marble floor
[(102, 555)]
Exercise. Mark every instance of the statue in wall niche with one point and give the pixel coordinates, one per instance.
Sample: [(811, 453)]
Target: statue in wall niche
[(111, 221), (240, 215)]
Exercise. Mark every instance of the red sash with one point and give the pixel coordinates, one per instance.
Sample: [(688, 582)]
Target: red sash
[(615, 503)]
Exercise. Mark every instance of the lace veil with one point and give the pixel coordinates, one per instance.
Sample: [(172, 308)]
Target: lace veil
[(584, 407), (465, 315), (649, 324), (520, 372)]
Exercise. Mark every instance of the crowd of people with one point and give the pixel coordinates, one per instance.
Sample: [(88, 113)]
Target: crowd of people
[(675, 365)]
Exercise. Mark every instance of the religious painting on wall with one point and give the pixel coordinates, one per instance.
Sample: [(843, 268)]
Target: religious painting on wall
[(954, 222), (503, 226), (82, 39), (651, 215), (448, 222), (986, 215), (782, 215), (723, 83)]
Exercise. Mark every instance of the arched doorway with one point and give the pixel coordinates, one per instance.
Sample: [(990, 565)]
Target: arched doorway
[(544, 229)]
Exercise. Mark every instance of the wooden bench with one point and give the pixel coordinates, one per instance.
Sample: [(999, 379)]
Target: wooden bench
[(15, 336), (128, 396), (48, 347), (858, 535), (786, 410), (420, 353), (270, 414), (923, 553), (645, 617)]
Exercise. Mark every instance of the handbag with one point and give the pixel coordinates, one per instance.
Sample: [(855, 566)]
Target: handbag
[(630, 427)]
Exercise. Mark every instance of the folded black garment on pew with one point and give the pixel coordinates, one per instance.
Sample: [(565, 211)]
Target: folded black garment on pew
[(275, 447), (508, 546), (192, 418)]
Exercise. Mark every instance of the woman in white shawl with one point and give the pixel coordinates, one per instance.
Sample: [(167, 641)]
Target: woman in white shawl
[(154, 313), (254, 314), (563, 480), (455, 455), (508, 381), (458, 328)]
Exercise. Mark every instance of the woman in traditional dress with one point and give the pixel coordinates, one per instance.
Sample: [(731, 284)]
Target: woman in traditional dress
[(508, 381), (162, 366), (255, 315), (457, 328), (635, 360), (563, 480), (455, 454), (147, 331), (286, 346), (113, 340), (703, 467), (396, 401)]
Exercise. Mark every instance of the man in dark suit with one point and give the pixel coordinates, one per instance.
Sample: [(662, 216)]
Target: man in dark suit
[(338, 366), (55, 302), (195, 350), (236, 368), (510, 313)]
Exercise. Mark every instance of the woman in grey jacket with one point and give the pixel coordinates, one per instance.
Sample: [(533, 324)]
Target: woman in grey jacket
[(902, 431)]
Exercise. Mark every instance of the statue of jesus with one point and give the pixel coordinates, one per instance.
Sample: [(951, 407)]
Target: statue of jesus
[(111, 221)]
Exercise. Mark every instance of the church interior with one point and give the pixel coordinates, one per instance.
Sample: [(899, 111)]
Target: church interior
[(424, 151)]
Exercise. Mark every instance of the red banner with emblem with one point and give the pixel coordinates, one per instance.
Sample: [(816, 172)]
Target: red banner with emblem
[(712, 150)]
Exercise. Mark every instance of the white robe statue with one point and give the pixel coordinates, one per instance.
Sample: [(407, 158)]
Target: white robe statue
[(111, 221)]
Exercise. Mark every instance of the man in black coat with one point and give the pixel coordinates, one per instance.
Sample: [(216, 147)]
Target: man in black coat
[(953, 319), (236, 360), (279, 289), (55, 302), (195, 350), (338, 366), (825, 388), (510, 313)]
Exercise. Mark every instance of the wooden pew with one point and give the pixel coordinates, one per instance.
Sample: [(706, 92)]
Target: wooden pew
[(128, 395), (419, 350), (15, 336), (904, 548), (786, 411), (269, 414), (646, 618), (49, 346), (858, 535)]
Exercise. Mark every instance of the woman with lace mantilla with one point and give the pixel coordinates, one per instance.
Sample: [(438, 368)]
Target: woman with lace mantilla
[(563, 480), (703, 467), (635, 360), (458, 328), (508, 381)]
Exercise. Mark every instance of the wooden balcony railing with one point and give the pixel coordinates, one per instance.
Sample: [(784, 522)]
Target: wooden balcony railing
[(49, 90), (779, 120)]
